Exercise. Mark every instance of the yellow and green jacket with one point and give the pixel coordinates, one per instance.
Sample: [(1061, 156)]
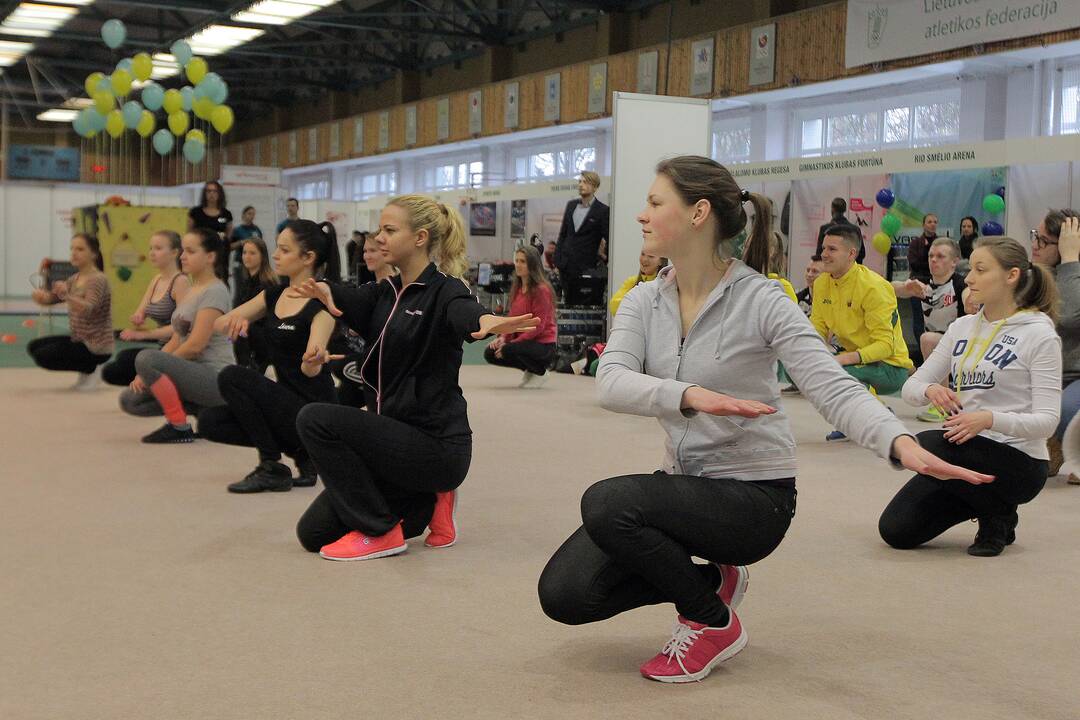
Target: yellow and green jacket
[(859, 310), (627, 286)]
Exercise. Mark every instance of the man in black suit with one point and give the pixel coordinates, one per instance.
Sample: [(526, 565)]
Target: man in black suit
[(839, 207), (584, 225)]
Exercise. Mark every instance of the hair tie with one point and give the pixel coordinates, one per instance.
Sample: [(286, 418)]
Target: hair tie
[(744, 195)]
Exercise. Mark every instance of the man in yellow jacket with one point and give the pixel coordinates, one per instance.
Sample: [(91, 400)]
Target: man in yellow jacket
[(857, 307)]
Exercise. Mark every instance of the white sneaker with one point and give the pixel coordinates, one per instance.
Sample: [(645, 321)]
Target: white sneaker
[(525, 378), (534, 382), (88, 381)]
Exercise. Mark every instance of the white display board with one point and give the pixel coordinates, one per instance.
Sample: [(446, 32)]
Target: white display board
[(647, 129), (261, 188)]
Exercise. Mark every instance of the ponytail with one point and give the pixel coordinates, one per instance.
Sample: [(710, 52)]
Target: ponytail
[(321, 239), (95, 247), (445, 229), (758, 247), (212, 243), (1037, 289)]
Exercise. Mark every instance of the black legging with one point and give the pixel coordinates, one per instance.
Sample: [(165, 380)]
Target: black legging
[(121, 369), (525, 355), (260, 413), (926, 507), (60, 352), (377, 471), (252, 351), (638, 534)]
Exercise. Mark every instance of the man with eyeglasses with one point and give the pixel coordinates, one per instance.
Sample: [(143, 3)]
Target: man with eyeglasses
[(1056, 245)]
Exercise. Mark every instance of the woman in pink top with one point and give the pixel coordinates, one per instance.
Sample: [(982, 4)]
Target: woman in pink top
[(532, 350)]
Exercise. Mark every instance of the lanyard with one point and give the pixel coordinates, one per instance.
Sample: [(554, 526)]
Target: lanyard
[(982, 350)]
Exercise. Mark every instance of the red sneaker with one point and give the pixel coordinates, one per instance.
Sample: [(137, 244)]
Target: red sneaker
[(358, 546), (734, 579), (442, 526), (694, 649)]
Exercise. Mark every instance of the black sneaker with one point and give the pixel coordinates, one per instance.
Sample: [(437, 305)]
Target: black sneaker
[(790, 390), (167, 434), (992, 537), (306, 474), (267, 475)]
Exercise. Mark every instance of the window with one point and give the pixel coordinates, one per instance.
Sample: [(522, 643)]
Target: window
[(1067, 105), (562, 160), (731, 139), (450, 175), (925, 119), (310, 187), (370, 182)]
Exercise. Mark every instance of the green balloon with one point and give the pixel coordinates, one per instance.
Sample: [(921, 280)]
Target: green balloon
[(890, 224), (993, 204)]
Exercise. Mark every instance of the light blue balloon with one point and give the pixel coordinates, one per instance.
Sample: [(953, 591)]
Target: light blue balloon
[(163, 142), (219, 92), (132, 113), (81, 124), (194, 151), (125, 64), (104, 85), (181, 51), (113, 33), (202, 90), (153, 95), (187, 96), (96, 119)]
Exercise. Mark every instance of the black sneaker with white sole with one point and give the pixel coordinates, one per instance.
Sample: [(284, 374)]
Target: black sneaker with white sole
[(167, 434)]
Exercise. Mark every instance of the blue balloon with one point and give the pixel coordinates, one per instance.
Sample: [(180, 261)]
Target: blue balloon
[(81, 124), (1000, 191), (132, 113), (104, 85), (885, 198), (125, 64), (213, 87), (194, 150), (992, 228), (187, 96), (153, 95), (182, 52), (113, 33), (96, 119), (202, 90), (163, 142)]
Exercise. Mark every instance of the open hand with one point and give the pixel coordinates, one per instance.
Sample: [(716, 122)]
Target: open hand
[(318, 356), (137, 385), (1069, 240), (496, 325), (714, 403), (315, 291), (961, 428), (128, 334), (917, 459), (237, 327)]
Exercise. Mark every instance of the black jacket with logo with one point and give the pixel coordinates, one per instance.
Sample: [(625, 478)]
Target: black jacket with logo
[(413, 338)]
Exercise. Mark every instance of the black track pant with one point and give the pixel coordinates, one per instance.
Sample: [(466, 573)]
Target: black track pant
[(60, 352), (526, 355)]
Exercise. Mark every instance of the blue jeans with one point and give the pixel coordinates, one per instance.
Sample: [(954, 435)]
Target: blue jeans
[(1070, 405)]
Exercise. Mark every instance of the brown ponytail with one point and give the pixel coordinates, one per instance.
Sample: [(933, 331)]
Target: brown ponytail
[(1036, 289)]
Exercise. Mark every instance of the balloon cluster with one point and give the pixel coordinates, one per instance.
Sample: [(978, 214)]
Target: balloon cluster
[(994, 203), (114, 111), (890, 223)]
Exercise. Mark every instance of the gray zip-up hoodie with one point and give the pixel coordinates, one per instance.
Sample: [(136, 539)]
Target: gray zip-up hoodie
[(732, 347), (1068, 283)]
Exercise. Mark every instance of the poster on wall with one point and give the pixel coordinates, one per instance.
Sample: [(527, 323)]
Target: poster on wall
[(482, 219), (358, 136), (552, 96), (550, 225), (384, 130), (476, 114), (410, 125), (879, 30), (518, 217), (335, 139), (510, 113), (313, 144), (294, 149), (763, 54), (647, 64), (597, 88), (442, 119), (701, 67)]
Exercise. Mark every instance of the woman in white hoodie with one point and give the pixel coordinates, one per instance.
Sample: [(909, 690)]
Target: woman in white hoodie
[(997, 374), (697, 349)]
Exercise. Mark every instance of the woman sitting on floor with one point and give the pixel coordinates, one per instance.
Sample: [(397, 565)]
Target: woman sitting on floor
[(530, 293)]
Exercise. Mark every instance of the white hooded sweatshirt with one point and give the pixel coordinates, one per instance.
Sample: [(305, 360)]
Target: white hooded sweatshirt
[(1011, 368)]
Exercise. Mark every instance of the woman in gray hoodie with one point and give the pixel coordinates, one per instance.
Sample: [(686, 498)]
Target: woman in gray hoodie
[(697, 349)]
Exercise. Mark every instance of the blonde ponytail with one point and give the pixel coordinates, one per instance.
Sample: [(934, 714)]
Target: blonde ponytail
[(445, 229)]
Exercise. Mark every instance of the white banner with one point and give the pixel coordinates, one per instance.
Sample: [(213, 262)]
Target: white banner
[(879, 30), (249, 175)]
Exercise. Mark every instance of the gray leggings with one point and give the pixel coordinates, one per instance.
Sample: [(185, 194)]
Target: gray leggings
[(196, 382)]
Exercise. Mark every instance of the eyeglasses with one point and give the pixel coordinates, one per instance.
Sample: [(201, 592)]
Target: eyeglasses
[(1040, 241)]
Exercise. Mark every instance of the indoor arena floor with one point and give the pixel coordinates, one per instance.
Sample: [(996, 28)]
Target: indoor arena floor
[(136, 587)]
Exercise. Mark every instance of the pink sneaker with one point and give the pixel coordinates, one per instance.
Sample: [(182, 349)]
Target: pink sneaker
[(734, 579), (358, 546), (694, 649), (442, 526)]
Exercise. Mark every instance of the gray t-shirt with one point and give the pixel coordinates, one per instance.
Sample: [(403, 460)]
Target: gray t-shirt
[(216, 296)]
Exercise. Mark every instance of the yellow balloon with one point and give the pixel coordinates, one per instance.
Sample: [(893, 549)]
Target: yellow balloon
[(114, 123), (203, 107), (196, 135), (179, 122), (104, 102), (146, 125), (91, 83), (196, 70), (222, 119), (142, 65), (881, 243), (173, 101), (121, 82)]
